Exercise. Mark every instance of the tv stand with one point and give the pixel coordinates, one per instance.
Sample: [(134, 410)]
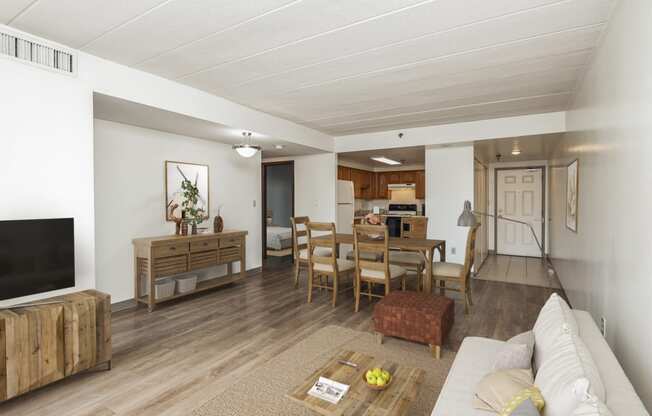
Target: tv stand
[(72, 334)]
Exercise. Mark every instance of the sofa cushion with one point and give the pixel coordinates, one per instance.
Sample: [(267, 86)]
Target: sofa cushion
[(517, 353), (497, 389), (592, 406), (569, 370), (555, 319), (473, 361)]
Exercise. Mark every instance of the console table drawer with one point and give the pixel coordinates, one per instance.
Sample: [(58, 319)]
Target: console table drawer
[(203, 260), (230, 242), (229, 254), (204, 245), (170, 265), (169, 250)]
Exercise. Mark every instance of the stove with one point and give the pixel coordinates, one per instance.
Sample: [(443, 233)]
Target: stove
[(402, 210)]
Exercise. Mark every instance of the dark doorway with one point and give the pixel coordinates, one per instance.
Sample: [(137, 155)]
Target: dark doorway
[(278, 208)]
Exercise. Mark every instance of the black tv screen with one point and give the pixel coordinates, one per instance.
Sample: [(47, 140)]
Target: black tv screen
[(36, 256)]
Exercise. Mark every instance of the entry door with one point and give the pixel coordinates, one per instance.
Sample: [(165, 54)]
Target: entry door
[(520, 197)]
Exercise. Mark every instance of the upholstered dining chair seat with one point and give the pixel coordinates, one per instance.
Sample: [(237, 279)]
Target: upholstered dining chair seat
[(319, 252), (447, 269), (342, 266), (394, 272), (406, 257)]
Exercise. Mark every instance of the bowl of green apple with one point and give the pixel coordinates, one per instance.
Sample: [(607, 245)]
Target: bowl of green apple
[(377, 378)]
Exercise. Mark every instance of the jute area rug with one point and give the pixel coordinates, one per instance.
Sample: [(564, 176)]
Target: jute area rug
[(263, 391)]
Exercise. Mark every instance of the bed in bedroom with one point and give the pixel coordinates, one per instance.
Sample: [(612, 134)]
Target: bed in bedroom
[(279, 241)]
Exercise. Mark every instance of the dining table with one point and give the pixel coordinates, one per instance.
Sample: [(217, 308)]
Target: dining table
[(425, 246)]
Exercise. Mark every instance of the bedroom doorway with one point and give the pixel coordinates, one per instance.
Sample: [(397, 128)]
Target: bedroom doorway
[(278, 208)]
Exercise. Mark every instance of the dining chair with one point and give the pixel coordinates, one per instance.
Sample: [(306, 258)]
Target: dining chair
[(459, 274), (374, 239), (325, 267), (411, 227), (350, 255), (300, 246)]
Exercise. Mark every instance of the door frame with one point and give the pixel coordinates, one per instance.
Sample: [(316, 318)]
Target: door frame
[(263, 188), (543, 204)]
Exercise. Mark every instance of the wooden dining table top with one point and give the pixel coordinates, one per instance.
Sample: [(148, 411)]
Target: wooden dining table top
[(416, 244)]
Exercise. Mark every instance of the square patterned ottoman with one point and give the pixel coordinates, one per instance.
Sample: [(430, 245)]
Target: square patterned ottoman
[(415, 316)]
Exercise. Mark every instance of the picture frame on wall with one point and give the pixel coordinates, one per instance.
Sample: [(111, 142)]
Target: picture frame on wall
[(572, 195), (175, 173)]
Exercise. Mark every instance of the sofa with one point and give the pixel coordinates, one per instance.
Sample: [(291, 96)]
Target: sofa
[(476, 357)]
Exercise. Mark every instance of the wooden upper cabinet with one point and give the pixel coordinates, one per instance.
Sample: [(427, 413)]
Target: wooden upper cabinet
[(381, 185), (421, 184), (344, 173), (408, 176), (393, 177)]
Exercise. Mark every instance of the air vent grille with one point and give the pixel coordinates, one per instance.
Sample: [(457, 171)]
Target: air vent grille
[(36, 53)]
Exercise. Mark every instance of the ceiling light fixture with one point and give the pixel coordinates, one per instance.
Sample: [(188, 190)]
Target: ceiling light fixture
[(246, 149), (385, 160), (516, 151), (278, 146)]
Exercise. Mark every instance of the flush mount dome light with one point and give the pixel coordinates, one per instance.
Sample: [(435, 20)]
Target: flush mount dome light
[(246, 149)]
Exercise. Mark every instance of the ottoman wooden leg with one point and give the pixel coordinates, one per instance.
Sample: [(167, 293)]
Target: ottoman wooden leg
[(379, 338), (435, 350)]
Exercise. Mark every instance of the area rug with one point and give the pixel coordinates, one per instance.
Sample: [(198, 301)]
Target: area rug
[(262, 392)]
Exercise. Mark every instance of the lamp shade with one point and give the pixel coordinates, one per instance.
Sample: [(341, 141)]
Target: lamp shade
[(467, 219), (246, 150)]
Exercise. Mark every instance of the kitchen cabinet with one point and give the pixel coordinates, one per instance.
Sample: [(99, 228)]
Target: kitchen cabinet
[(381, 185), (361, 183), (343, 173), (393, 177), (408, 176), (421, 184)]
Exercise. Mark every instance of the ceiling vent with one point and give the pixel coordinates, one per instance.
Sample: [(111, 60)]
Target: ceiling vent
[(36, 53)]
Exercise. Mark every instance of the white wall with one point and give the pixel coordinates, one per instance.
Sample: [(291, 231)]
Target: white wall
[(449, 182), (130, 195), (606, 267), (46, 152)]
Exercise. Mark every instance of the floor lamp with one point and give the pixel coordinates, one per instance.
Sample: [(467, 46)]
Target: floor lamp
[(467, 219)]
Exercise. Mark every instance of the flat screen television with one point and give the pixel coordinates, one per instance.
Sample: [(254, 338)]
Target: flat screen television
[(36, 256)]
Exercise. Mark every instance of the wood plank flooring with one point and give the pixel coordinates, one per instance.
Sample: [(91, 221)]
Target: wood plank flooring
[(513, 269), (176, 358)]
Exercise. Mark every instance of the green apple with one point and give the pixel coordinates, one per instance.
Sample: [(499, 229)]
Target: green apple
[(380, 382), (386, 375), (377, 372)]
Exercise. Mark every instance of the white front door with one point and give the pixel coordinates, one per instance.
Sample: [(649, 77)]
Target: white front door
[(519, 197)]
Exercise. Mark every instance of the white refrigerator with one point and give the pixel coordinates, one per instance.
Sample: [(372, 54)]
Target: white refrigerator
[(345, 211)]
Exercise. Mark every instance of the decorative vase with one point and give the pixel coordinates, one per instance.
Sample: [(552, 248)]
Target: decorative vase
[(218, 224), (184, 228), (194, 229)]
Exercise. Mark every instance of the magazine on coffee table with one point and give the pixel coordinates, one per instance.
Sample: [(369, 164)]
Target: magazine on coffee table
[(329, 390)]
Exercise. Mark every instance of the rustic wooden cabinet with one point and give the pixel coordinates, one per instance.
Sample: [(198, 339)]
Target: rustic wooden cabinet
[(53, 339), (158, 257)]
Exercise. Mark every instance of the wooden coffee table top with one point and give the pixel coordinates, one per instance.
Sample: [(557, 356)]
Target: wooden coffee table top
[(360, 399)]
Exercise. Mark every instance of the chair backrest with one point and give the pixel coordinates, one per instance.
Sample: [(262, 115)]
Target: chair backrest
[(298, 233), (372, 239), (469, 256), (414, 227), (326, 231)]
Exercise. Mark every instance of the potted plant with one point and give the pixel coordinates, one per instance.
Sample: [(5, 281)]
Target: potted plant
[(193, 214)]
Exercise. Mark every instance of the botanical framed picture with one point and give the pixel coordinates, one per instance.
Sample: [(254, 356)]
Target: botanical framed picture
[(572, 185), (175, 175)]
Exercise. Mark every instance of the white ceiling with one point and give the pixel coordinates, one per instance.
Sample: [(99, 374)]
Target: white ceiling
[(537, 147), (343, 66), (122, 111), (408, 156)]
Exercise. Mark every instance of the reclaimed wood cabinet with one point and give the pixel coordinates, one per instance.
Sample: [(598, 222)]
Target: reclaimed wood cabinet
[(52, 339), (159, 257)]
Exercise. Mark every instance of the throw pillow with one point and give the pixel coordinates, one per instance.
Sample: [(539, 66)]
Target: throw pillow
[(496, 389), (556, 318), (517, 353), (527, 402), (526, 408), (592, 407), (568, 376)]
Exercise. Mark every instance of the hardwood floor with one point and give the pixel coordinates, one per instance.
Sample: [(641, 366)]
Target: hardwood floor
[(176, 358)]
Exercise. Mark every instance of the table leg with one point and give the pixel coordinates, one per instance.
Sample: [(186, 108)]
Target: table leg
[(427, 278)]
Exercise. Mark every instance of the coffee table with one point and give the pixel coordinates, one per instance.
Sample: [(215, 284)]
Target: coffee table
[(360, 399)]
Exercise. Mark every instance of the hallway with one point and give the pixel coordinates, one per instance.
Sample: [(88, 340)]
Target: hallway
[(521, 270)]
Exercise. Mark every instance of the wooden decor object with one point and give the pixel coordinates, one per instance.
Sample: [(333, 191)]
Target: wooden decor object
[(44, 343), (157, 257)]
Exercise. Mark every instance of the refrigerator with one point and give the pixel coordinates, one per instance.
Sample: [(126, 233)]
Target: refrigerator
[(345, 211)]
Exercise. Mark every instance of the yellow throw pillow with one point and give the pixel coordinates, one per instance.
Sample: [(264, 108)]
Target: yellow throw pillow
[(496, 389), (531, 393)]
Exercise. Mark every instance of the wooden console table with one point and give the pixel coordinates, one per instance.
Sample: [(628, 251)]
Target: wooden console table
[(159, 257)]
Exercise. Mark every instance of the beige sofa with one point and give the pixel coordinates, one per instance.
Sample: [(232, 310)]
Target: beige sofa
[(476, 357)]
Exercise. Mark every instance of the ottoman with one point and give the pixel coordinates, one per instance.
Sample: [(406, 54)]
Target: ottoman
[(415, 316)]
